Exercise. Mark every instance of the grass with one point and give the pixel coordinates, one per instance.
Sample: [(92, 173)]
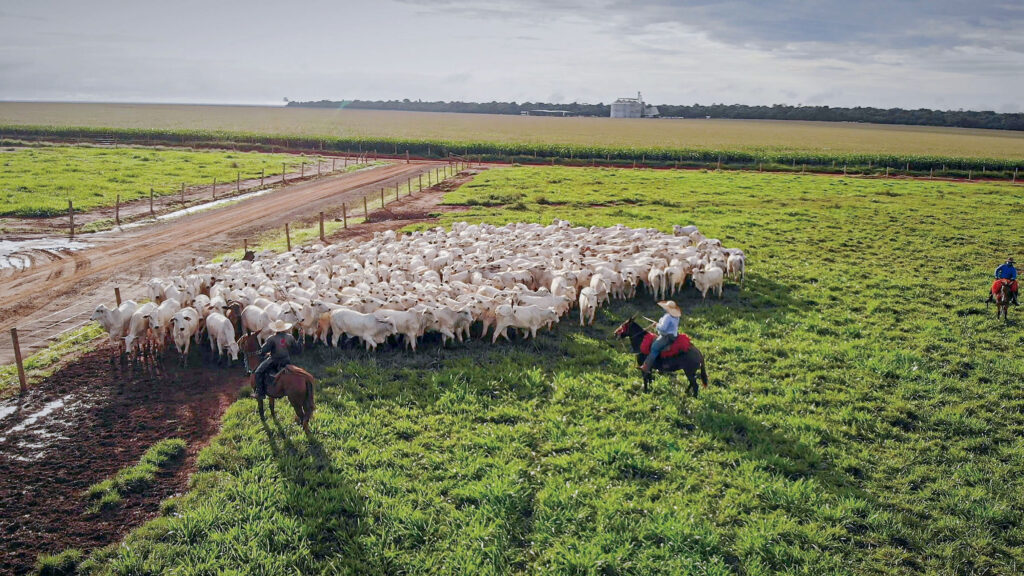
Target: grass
[(680, 134), (39, 181), (864, 416), (135, 479), (43, 363)]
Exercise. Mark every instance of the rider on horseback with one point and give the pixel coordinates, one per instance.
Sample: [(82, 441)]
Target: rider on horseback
[(1006, 272), (668, 330), (279, 346)]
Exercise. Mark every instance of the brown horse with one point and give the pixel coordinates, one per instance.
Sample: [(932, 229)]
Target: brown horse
[(1003, 297), (292, 381)]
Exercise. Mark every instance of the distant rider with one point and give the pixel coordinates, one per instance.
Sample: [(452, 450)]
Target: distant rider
[(279, 346), (668, 330), (1005, 272)]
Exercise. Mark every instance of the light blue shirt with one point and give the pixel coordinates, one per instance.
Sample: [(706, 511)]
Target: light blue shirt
[(668, 325)]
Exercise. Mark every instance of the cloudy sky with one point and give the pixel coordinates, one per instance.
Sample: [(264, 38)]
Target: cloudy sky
[(933, 54)]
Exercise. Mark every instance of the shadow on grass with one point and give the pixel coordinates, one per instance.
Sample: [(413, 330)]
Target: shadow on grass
[(320, 498)]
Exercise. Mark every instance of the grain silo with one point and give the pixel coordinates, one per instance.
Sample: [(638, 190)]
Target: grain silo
[(632, 108)]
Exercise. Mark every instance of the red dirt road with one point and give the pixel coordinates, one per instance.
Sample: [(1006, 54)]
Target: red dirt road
[(58, 295)]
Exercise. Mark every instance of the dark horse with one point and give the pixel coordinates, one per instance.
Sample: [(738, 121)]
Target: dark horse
[(689, 362), (292, 381)]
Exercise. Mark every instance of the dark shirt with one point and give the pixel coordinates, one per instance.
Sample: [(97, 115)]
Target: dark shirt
[(280, 346)]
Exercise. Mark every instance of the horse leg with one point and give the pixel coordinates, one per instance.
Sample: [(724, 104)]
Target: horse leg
[(272, 413), (296, 402), (262, 415), (691, 375)]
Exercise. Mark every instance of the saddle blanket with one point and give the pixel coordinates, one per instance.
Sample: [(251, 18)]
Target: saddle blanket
[(680, 346), (998, 284)]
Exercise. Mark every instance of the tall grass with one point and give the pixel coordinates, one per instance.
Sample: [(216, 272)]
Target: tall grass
[(864, 415)]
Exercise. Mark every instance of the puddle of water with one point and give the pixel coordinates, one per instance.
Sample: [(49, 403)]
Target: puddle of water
[(9, 249), (6, 411), (46, 411)]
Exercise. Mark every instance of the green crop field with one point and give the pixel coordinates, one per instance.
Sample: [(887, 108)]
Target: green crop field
[(744, 135), (39, 181), (865, 414)]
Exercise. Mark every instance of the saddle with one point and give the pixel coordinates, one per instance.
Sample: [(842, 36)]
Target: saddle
[(276, 373), (680, 346)]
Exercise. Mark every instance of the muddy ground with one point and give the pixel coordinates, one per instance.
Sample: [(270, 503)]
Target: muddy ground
[(96, 416)]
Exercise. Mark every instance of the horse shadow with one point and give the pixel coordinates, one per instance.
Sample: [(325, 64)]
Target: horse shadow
[(321, 498)]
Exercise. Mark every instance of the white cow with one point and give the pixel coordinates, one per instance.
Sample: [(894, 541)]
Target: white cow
[(222, 335)]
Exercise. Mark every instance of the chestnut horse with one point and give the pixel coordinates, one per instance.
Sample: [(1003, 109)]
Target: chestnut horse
[(689, 362), (292, 381), (1003, 297)]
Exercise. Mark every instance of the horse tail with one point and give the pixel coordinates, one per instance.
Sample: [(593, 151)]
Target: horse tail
[(703, 372), (308, 405)]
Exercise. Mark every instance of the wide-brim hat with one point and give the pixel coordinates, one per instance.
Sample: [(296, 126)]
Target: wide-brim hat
[(280, 326), (671, 307)]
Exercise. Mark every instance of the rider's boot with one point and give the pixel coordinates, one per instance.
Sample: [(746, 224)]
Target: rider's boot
[(261, 386)]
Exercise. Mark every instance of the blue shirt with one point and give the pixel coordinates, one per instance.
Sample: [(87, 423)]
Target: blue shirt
[(1006, 271), (668, 325)]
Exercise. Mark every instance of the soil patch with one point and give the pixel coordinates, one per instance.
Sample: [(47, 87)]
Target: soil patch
[(82, 425)]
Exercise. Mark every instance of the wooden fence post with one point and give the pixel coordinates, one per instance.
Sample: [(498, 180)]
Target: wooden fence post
[(71, 219), (396, 192), (366, 212), (322, 227), (381, 197), (284, 166), (1014, 181), (344, 217), (23, 383), (117, 211), (245, 245), (213, 189), (262, 174), (302, 170), (182, 192), (332, 164), (318, 168), (287, 237), (151, 212), (420, 178), (406, 156), (117, 295)]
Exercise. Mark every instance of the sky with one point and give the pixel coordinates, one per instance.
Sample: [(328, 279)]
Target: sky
[(909, 54)]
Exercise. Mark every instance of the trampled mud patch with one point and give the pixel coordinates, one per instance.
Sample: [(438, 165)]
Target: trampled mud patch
[(81, 426)]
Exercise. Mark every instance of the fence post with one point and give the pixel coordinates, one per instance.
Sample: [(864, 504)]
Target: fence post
[(366, 212), (71, 219), (318, 168), (151, 212), (182, 192), (302, 170), (117, 295), (381, 197), (245, 245), (344, 162), (322, 227), (969, 173), (344, 217), (1014, 181), (262, 173), (886, 171), (17, 359), (287, 237), (406, 156), (332, 164), (117, 211), (420, 178), (396, 192), (284, 166), (408, 185), (213, 189)]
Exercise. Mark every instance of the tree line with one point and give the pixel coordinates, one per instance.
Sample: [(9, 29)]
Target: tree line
[(917, 117)]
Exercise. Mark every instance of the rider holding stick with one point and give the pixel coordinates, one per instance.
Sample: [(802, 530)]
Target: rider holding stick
[(279, 346), (668, 330)]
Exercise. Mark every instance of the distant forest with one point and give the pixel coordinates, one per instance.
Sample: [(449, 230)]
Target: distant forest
[(919, 117)]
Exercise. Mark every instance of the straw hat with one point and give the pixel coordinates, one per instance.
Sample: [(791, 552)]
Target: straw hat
[(280, 326), (671, 307)]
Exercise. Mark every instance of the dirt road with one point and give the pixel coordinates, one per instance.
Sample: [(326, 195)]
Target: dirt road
[(59, 295)]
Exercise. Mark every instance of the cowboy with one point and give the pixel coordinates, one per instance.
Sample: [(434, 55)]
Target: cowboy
[(279, 346), (668, 330), (1005, 272)]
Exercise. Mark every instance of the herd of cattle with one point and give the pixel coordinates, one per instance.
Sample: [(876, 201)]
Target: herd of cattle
[(520, 276)]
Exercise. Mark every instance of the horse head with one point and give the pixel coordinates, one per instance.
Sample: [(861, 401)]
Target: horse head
[(623, 330)]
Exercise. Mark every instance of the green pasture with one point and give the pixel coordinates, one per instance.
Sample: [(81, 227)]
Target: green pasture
[(865, 413), (39, 181)]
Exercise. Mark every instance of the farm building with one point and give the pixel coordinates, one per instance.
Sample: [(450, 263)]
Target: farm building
[(633, 108)]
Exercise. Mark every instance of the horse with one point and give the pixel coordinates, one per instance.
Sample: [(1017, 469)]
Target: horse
[(689, 362), (1003, 297), (291, 381)]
